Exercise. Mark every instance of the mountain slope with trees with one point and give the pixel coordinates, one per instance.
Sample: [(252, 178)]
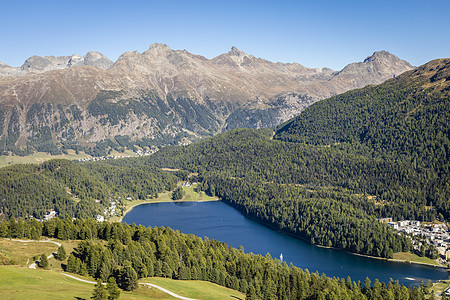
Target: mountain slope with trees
[(74, 189), (406, 119), (129, 252)]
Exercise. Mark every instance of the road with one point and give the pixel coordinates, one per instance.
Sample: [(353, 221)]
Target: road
[(147, 284), (33, 265)]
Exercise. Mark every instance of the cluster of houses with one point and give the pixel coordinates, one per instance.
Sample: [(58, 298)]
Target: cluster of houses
[(50, 215), (136, 154), (103, 158), (145, 152), (434, 234), (109, 211)]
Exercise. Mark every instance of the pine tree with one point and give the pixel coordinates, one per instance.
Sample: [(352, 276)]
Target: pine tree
[(99, 292), (71, 264), (61, 253), (178, 193), (128, 277), (43, 263), (251, 293), (113, 289)]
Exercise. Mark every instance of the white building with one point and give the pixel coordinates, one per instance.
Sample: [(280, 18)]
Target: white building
[(403, 223), (394, 225)]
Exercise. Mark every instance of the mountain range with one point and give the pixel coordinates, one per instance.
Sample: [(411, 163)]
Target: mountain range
[(161, 96)]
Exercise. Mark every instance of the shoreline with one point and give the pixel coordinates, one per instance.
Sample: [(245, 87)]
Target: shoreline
[(156, 201), (333, 248), (287, 233)]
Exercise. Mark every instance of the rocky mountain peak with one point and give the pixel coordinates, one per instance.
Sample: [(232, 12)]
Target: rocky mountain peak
[(236, 52), (165, 92), (382, 56), (97, 59), (375, 68), (39, 64), (158, 48)]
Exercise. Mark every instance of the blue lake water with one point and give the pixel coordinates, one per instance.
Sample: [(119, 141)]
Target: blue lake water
[(219, 221)]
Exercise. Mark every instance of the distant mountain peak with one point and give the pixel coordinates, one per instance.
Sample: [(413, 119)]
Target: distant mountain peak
[(236, 52), (375, 68), (158, 47), (38, 64), (381, 55)]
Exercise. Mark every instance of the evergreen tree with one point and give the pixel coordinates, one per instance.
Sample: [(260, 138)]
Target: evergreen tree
[(178, 193), (113, 289), (71, 264), (251, 294), (128, 277), (43, 263), (61, 253), (100, 292)]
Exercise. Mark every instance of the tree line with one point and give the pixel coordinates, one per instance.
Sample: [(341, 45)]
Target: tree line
[(129, 252)]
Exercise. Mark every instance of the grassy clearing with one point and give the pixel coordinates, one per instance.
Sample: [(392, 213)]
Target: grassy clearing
[(407, 256), (196, 289), (21, 253), (190, 195), (440, 287), (18, 253), (24, 283), (38, 157)]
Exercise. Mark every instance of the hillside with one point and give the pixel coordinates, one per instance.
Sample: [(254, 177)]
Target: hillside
[(408, 115), (75, 190), (161, 96), (406, 118), (129, 253)]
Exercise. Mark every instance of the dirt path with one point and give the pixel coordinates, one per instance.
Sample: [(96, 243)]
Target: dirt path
[(147, 284), (33, 265), (167, 291)]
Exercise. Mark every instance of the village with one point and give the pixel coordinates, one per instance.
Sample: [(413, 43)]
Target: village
[(433, 234)]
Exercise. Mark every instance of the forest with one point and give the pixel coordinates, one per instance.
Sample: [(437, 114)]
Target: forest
[(130, 252), (74, 189)]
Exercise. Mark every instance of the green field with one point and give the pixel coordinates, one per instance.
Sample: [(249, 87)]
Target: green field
[(190, 195), (440, 287), (21, 253), (18, 253), (23, 283), (196, 289), (407, 256), (40, 157)]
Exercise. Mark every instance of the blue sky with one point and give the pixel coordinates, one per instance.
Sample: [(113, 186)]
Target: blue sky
[(312, 33)]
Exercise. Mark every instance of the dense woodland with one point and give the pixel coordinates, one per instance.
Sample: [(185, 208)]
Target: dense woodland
[(405, 120), (129, 252), (75, 190)]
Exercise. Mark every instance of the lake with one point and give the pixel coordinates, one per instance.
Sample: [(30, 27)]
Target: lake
[(219, 221)]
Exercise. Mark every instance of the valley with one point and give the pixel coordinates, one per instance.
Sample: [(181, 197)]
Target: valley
[(325, 177)]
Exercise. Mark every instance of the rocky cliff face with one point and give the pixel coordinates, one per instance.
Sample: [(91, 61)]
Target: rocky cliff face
[(161, 96)]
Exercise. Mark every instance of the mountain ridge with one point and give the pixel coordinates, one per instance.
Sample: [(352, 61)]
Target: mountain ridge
[(165, 93)]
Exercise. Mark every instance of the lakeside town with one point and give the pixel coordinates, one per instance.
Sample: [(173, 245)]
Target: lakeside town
[(436, 235)]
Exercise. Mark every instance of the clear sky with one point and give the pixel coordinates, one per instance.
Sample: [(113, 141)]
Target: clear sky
[(330, 33)]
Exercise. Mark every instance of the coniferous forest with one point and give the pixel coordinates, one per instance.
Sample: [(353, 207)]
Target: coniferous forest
[(129, 252)]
